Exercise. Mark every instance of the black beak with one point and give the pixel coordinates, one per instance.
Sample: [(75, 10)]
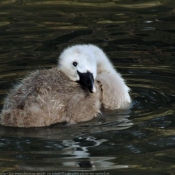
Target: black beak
[(87, 79)]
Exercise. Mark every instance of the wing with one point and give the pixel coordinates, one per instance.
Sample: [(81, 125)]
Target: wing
[(18, 95)]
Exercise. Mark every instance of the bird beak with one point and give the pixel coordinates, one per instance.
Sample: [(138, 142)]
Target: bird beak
[(87, 79)]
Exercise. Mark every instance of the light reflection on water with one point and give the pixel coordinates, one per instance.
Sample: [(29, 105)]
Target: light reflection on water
[(139, 39)]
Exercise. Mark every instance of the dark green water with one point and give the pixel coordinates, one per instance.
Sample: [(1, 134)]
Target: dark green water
[(139, 38)]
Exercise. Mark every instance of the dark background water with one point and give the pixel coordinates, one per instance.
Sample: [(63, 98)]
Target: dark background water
[(139, 38)]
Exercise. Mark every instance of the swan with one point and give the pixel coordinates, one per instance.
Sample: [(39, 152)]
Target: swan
[(74, 91)]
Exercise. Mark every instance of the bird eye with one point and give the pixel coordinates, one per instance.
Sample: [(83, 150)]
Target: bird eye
[(75, 63)]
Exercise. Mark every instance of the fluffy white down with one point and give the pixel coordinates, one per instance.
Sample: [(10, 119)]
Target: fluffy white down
[(81, 54), (91, 58)]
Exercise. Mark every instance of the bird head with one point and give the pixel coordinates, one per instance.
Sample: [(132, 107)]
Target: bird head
[(79, 64)]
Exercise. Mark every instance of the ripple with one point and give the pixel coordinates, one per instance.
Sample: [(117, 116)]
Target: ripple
[(152, 91)]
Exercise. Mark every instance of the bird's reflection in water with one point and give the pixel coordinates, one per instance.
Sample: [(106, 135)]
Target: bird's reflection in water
[(63, 147)]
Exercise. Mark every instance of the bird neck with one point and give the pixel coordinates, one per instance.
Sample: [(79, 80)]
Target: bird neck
[(104, 65), (102, 61)]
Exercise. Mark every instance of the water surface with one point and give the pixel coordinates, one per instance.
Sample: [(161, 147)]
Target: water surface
[(139, 38)]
